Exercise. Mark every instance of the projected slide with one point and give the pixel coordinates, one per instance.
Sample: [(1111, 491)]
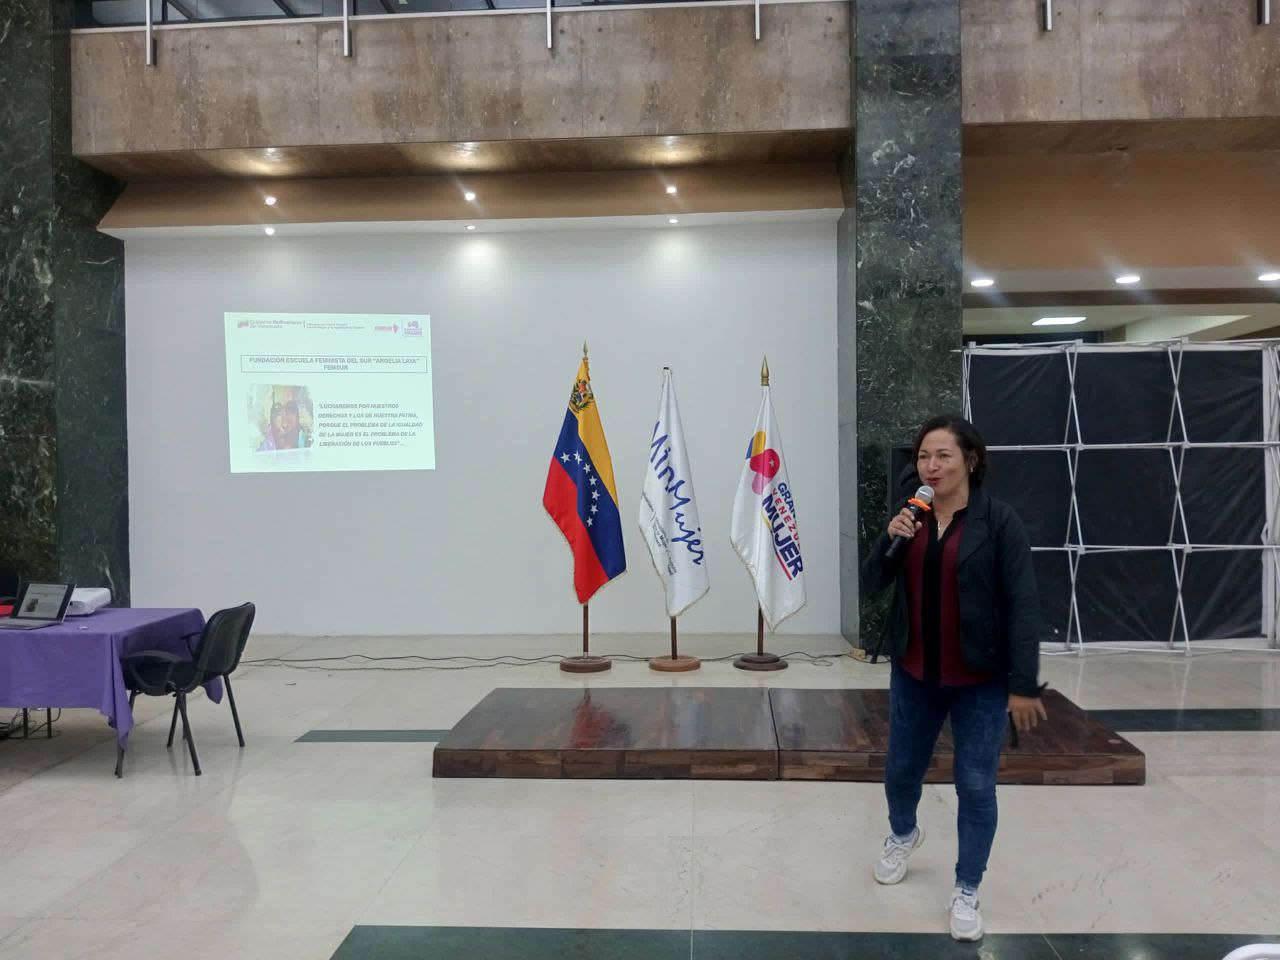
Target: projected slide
[(329, 391)]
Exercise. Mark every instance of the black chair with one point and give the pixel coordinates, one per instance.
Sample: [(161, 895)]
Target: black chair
[(159, 673)]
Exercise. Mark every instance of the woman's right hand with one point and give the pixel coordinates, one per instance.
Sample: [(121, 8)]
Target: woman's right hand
[(904, 525)]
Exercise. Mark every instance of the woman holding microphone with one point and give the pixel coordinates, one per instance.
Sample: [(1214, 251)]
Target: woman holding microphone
[(963, 634)]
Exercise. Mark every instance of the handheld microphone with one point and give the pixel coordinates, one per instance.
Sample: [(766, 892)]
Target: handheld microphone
[(919, 504)]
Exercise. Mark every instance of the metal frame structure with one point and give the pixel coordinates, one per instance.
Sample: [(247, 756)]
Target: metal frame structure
[(1178, 549)]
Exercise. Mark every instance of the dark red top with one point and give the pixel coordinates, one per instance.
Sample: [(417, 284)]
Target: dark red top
[(933, 598)]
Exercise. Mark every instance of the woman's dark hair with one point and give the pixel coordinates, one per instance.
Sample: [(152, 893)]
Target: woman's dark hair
[(967, 436)]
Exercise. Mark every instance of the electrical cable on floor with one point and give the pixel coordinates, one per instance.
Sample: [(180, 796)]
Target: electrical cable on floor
[(362, 661), (1096, 651), (12, 729)]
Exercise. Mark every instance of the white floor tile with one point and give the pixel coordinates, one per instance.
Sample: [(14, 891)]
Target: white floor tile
[(285, 845), (568, 877)]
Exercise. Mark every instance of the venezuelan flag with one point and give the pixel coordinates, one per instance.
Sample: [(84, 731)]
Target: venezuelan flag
[(580, 494)]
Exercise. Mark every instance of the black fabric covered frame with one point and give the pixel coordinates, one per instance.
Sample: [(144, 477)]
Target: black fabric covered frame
[(1140, 472), (158, 673)]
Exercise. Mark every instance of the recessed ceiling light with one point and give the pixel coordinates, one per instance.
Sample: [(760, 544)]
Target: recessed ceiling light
[(671, 189), (271, 151), (981, 282), (269, 200), (269, 231), (1128, 278), (1058, 321), (469, 196), (471, 226), (673, 220), (1269, 277)]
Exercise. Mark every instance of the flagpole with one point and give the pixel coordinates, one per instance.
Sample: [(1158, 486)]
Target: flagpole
[(585, 663), (761, 660), (674, 663)]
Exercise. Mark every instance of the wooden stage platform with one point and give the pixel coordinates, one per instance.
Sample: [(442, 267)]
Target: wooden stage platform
[(736, 733)]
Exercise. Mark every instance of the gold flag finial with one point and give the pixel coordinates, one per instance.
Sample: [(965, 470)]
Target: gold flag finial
[(584, 349), (764, 373)]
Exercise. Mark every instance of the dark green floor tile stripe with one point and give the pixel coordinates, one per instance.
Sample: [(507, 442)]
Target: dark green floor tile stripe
[(523, 943), (1231, 719), (778, 945), (1151, 946), (484, 943), (372, 736)]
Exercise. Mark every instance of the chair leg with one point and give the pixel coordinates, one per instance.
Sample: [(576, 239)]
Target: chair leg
[(119, 761), (173, 721), (26, 723), (231, 698), (48, 723), (186, 732), (133, 695)]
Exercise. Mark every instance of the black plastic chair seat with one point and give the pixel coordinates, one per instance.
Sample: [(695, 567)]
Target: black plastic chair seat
[(157, 677)]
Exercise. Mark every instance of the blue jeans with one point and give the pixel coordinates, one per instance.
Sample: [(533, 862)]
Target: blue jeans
[(979, 718)]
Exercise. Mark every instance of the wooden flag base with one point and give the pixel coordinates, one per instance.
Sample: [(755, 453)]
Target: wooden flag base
[(585, 663), (676, 662), (760, 661)]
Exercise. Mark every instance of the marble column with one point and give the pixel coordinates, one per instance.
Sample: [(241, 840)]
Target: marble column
[(899, 300), (64, 469)]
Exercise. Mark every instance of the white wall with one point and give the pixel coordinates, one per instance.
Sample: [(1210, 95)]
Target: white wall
[(467, 548)]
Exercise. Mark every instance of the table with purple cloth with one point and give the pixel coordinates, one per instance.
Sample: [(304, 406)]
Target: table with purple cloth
[(77, 663)]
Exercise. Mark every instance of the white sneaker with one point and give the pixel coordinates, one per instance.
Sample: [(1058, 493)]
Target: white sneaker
[(892, 865), (966, 921)]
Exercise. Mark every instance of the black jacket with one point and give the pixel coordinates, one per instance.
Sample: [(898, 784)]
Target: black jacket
[(999, 607)]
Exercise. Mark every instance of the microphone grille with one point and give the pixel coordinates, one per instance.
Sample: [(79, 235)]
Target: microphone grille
[(925, 493)]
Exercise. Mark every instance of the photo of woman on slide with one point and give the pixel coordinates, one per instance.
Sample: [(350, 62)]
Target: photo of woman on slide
[(282, 418)]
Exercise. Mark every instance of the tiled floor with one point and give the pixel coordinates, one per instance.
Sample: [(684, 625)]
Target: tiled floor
[(287, 849)]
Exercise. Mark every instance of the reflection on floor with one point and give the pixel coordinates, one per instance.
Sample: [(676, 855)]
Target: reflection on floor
[(305, 850)]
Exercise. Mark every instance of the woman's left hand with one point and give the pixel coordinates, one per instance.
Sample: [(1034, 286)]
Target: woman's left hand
[(1026, 712)]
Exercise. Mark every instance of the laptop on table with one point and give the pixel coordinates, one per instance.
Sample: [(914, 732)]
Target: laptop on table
[(38, 605)]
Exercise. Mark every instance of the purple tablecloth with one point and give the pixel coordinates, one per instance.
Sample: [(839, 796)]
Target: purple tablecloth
[(77, 663)]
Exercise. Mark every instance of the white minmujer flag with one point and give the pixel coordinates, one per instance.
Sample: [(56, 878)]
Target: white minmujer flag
[(668, 511), (763, 531)]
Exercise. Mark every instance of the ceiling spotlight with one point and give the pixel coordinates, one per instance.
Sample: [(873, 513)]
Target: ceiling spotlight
[(269, 231), (1269, 277), (1057, 321), (671, 190), (981, 282), (271, 151), (1128, 278), (673, 220), (269, 200), (471, 226), (469, 196)]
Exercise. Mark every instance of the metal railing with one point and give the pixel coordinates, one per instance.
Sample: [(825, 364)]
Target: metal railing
[(153, 14), (97, 14), (1046, 16), (125, 13)]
